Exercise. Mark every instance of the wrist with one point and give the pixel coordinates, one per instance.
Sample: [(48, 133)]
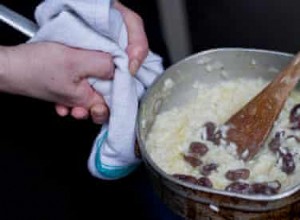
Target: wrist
[(12, 68), (4, 68)]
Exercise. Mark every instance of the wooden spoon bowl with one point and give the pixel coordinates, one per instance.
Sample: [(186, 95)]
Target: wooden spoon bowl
[(251, 125)]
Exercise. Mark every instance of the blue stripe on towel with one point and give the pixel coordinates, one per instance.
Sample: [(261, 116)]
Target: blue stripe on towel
[(108, 171)]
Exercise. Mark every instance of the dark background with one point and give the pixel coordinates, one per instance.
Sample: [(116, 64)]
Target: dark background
[(267, 24), (43, 158)]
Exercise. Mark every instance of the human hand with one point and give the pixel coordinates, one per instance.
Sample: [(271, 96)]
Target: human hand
[(137, 48), (137, 51), (56, 73)]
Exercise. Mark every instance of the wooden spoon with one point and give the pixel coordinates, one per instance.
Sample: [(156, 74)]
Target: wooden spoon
[(250, 126)]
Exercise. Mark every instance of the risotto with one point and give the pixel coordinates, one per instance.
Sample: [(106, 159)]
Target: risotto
[(186, 142)]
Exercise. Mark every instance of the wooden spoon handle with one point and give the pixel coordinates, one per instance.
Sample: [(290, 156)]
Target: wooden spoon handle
[(250, 126), (286, 80)]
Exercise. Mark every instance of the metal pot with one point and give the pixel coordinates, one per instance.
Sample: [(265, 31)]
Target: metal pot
[(196, 202)]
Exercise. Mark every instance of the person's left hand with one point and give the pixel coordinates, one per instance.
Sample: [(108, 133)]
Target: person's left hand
[(137, 51), (54, 72)]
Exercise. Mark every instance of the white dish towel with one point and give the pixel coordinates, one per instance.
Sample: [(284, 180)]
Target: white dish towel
[(96, 25)]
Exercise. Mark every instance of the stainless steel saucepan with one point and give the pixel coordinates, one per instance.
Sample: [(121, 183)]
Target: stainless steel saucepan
[(196, 202), (190, 201)]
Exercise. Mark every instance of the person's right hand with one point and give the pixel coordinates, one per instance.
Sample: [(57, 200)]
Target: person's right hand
[(57, 73), (137, 51)]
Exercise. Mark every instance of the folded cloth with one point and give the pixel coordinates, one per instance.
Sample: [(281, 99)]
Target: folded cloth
[(96, 25)]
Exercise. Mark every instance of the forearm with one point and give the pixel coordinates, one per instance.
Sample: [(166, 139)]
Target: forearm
[(27, 70), (12, 64)]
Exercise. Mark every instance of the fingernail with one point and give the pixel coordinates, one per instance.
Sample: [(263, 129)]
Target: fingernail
[(97, 110), (62, 111), (98, 114), (134, 66)]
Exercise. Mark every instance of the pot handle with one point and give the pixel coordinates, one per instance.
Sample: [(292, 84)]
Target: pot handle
[(17, 21)]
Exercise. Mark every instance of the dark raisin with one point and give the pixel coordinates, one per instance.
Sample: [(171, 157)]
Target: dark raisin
[(280, 134), (238, 187), (208, 168), (258, 188), (210, 130), (198, 148), (192, 160), (204, 181), (274, 144), (288, 163), (186, 178), (235, 175), (295, 117), (265, 188)]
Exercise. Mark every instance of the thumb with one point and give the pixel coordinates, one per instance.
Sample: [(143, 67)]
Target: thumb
[(137, 40)]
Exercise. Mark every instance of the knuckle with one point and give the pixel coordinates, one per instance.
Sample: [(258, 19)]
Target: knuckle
[(106, 56), (79, 96), (68, 60), (142, 50)]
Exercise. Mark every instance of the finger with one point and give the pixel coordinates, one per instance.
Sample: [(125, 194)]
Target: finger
[(99, 113), (88, 96), (92, 63), (137, 40), (79, 113), (61, 110), (92, 101)]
